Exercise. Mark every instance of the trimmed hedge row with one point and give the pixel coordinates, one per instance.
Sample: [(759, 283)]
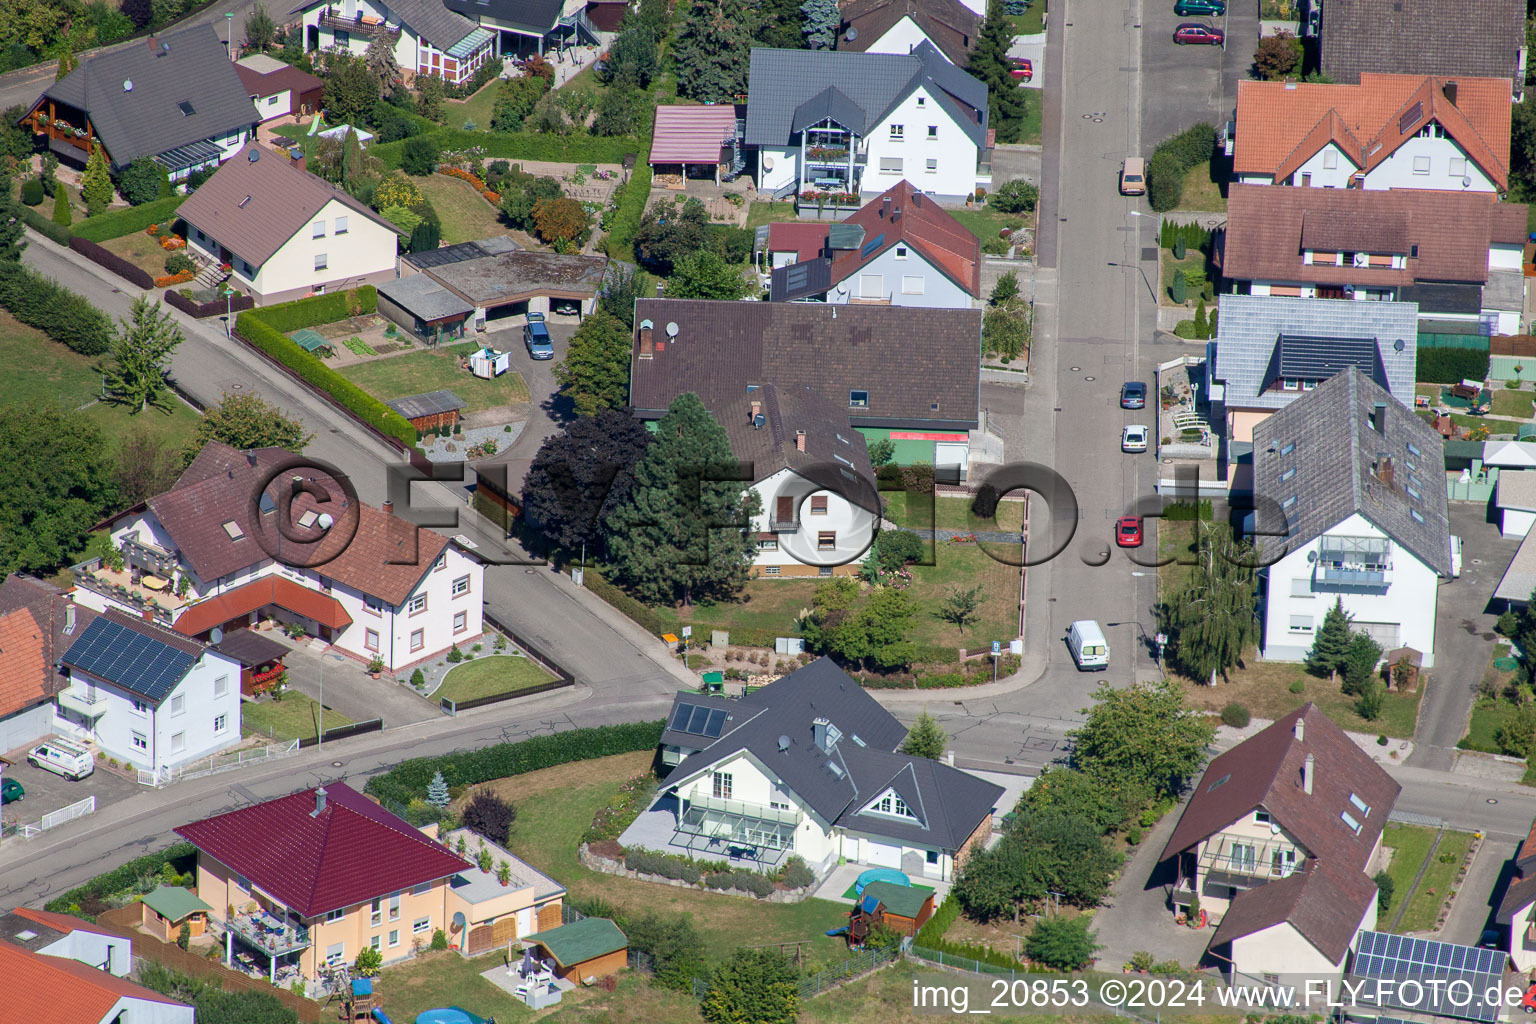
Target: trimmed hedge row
[(629, 211), (55, 310), (664, 865), (409, 779), (311, 370), (319, 309), (44, 226), (181, 856), (213, 307), (586, 149), (117, 223), (754, 882), (645, 616), (136, 276), (931, 936), (1451, 365)]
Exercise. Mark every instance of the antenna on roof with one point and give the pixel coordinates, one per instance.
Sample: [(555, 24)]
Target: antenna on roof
[(672, 329), (851, 34), (255, 155), (127, 85), (783, 744), (326, 520), (165, 47)]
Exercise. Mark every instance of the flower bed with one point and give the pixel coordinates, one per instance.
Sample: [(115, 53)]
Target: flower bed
[(174, 279), (494, 198)]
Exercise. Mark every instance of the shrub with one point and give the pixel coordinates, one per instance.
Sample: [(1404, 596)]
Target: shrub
[(65, 317), (145, 871), (1235, 715), (141, 181), (628, 211), (418, 680), (439, 939), (1449, 365), (1385, 889), (368, 963), (133, 274), (1184, 329), (665, 865), (419, 155), (797, 874), (179, 263), (1298, 686), (1508, 623), (117, 223), (1015, 196), (489, 815), (54, 229), (32, 192)]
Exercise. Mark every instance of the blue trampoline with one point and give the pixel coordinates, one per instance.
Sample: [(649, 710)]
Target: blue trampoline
[(890, 875), (449, 1015)]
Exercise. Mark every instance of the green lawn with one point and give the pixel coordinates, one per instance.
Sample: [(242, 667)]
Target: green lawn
[(465, 213), (142, 250), (1512, 403), (1466, 422), (36, 368), (448, 979), (489, 675), (477, 108), (1437, 884), (291, 718), (1410, 845), (951, 514), (986, 223), (766, 213), (1488, 713), (1263, 687), (418, 372), (1034, 117), (1194, 260), (1202, 191), (1031, 22)]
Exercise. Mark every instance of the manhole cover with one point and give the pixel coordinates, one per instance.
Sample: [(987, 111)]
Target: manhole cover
[(1491, 800), (335, 764), (1098, 120), (1076, 368), (1088, 378), (237, 387), (528, 572), (1039, 743), (1477, 561)]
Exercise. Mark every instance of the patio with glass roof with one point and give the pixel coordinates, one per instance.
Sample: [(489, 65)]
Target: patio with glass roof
[(737, 828)]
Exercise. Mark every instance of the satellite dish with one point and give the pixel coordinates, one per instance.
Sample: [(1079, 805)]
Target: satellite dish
[(1311, 556), (255, 155), (326, 521), (758, 421), (672, 330), (165, 47), (1397, 346), (216, 634), (127, 85), (851, 34), (767, 163), (783, 743), (1466, 181)]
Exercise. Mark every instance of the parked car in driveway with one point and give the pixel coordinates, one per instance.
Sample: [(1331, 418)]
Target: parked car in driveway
[(62, 758), (1022, 68), (1133, 395), (1133, 439), (1197, 8), (1128, 531), (11, 791), (1197, 34), (536, 337)]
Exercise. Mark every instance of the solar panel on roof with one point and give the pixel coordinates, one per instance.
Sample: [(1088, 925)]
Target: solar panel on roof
[(1410, 115), (696, 723), (715, 723), (1380, 955), (680, 717), (871, 245)]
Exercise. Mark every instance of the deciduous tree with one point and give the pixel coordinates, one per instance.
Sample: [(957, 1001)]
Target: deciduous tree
[(141, 181), (1063, 943), (595, 371), (1215, 617), (489, 815), (668, 233), (260, 29), (141, 350), (245, 421), (704, 274), (961, 606), (782, 26), (145, 466), (618, 294), (351, 89), (419, 156), (634, 58), (1277, 56), (429, 96), (759, 986), (1143, 735), (560, 220), (57, 483), (926, 738)]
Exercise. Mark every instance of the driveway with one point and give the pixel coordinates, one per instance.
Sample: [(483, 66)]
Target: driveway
[(48, 792), (1463, 635), (547, 410), (353, 692), (1183, 85), (1136, 915)]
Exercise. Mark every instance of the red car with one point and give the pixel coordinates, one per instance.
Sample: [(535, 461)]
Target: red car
[(1128, 531), (1193, 33), (1022, 69)]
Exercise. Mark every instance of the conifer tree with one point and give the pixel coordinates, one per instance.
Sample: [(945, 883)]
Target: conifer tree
[(1330, 646)]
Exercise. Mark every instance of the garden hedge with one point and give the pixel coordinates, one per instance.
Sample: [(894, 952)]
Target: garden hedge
[(213, 307), (134, 275), (288, 317), (55, 310), (581, 149), (181, 856), (117, 223), (624, 223), (44, 226), (1450, 365), (1172, 159), (409, 779)]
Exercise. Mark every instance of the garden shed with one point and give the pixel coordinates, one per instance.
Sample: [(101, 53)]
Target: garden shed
[(167, 907), (902, 908), (431, 410), (260, 658), (424, 308), (590, 948), (697, 136)]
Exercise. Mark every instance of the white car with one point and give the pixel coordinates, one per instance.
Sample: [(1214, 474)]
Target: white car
[(1133, 439)]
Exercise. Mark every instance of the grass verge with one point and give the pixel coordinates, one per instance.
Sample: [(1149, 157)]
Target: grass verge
[(490, 675), (292, 717), (1438, 883), (1410, 845)]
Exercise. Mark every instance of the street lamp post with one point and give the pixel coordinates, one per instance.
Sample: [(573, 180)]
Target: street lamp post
[(229, 44)]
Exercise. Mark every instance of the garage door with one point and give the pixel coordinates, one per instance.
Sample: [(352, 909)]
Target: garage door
[(510, 309), (882, 855), (1388, 634)]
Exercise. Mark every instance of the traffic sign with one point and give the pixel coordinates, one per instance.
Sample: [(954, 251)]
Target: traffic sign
[(687, 632), (997, 648)]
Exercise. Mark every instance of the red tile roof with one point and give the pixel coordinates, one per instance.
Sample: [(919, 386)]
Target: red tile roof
[(691, 134), (350, 853), (1368, 121), (805, 238), (24, 674), (43, 989), (921, 224), (59, 922), (50, 609), (269, 590)]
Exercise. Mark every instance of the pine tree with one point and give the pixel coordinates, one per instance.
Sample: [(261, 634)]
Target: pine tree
[(140, 350), (437, 791), (13, 228), (926, 738), (712, 50), (990, 64), (96, 183), (67, 63), (820, 22), (595, 371), (683, 531), (1330, 645)]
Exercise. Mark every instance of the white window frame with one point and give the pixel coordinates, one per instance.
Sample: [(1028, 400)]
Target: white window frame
[(332, 916), (461, 586), (341, 226), (394, 905), (336, 952), (178, 704), (1458, 166), (317, 229), (221, 686), (721, 785), (376, 943), (770, 570), (460, 621), (1421, 165), (933, 165), (220, 723), (371, 640), (1330, 159), (890, 165), (394, 937), (898, 133), (933, 133), (322, 261), (178, 742), (912, 284), (140, 741), (421, 926), (416, 603), (418, 639), (376, 912)]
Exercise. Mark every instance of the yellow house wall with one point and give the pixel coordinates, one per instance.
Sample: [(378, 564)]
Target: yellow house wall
[(1243, 828)]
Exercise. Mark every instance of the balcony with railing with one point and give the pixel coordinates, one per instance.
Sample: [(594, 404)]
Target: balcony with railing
[(61, 130), (268, 933), (84, 700), (739, 823), (368, 25), (1244, 862), (1354, 562), (784, 524), (130, 589)]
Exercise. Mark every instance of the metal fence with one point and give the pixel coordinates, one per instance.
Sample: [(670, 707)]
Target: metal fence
[(963, 963), (53, 819), (341, 732), (570, 915), (227, 761), (813, 983)]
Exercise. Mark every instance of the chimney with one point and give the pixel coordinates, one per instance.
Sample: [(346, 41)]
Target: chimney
[(297, 157), (69, 618), (895, 215), (1379, 417), (885, 207), (647, 347), (917, 199), (389, 507), (1301, 728), (250, 459), (1306, 774), (1384, 471), (319, 802), (799, 440), (1449, 89), (757, 409), (154, 47)]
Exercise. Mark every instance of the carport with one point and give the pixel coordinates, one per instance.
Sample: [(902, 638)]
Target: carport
[(693, 136), (508, 283), (260, 658)]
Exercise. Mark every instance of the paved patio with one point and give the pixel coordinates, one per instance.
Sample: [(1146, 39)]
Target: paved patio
[(313, 670), (843, 875)]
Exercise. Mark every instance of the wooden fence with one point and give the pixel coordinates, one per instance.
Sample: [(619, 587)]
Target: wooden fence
[(122, 920)]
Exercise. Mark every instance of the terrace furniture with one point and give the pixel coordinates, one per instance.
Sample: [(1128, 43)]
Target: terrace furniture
[(155, 582), (1465, 390)]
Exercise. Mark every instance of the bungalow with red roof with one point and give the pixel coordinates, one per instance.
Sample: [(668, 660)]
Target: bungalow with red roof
[(206, 559), (1388, 132), (1280, 841), (41, 989), (310, 879), (37, 623), (61, 935)]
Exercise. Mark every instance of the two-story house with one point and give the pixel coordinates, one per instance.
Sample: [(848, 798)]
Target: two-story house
[(909, 375), (523, 26), (833, 125), (206, 558), (1387, 132), (38, 622), (1517, 906), (174, 97), (287, 233), (809, 766), (1432, 38), (1280, 839), (1457, 256), (901, 249), (147, 695), (1355, 512), (431, 40), (901, 26)]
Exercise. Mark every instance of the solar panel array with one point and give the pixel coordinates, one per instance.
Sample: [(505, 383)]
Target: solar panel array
[(698, 720), (1398, 957), (142, 664)]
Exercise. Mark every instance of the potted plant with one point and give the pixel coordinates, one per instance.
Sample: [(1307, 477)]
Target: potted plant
[(484, 861), (504, 873), (376, 666)]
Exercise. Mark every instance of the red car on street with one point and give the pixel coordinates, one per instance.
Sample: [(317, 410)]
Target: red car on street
[(1198, 34), (1128, 531), (1023, 69)]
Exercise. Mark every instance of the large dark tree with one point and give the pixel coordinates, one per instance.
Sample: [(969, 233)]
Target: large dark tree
[(990, 64), (581, 475), (595, 371), (782, 25), (351, 89), (713, 45), (1142, 735), (668, 233), (683, 531), (635, 56), (56, 485)]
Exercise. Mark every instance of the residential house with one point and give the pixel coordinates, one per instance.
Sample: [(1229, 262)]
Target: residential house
[(377, 586), (1517, 908), (1425, 37), (147, 695), (1356, 500), (312, 878), (1457, 256), (1280, 839), (279, 89), (37, 624), (175, 97), (1519, 580), (1388, 132), (1271, 349), (62, 935), (901, 26), (287, 233), (43, 989), (1515, 498), (908, 375), (849, 124), (808, 766), (916, 254), (532, 26), (430, 39), (500, 279)]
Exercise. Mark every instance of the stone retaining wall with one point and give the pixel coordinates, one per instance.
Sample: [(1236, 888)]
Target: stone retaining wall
[(610, 866)]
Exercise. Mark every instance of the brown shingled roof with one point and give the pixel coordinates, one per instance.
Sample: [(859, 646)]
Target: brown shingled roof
[(1324, 905), (949, 24), (902, 215)]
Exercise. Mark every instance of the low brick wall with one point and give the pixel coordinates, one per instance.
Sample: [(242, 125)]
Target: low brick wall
[(610, 866)]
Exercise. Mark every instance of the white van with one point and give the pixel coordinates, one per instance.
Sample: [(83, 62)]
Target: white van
[(1089, 648), (62, 758)]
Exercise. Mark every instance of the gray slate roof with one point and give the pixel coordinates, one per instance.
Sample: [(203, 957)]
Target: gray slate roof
[(537, 16), (1343, 466), (424, 297), (1250, 329), (1516, 489), (949, 803), (1519, 578), (148, 120), (432, 20), (829, 437), (1421, 37), (861, 87)]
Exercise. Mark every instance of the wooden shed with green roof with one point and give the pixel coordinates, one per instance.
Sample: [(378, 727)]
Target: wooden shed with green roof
[(902, 908), (590, 948), (167, 907)]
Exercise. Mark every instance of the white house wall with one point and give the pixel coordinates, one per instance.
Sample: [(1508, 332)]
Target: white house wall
[(785, 169), (1280, 949), (1515, 522), (1505, 257), (275, 105), (1409, 599), (95, 949), (955, 173), (24, 727), (902, 37), (1397, 170), (855, 527), (904, 281), (751, 783), (1321, 175), (1522, 946)]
